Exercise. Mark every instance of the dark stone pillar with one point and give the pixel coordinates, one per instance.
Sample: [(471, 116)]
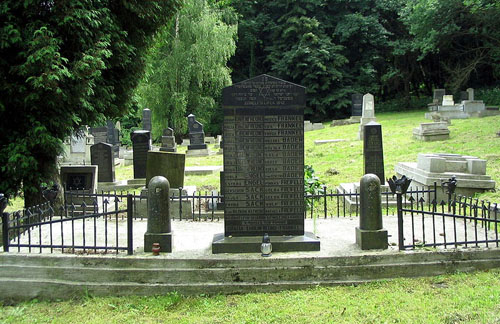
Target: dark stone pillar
[(370, 234), (159, 228)]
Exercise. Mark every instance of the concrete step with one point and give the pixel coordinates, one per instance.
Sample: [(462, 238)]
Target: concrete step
[(60, 276)]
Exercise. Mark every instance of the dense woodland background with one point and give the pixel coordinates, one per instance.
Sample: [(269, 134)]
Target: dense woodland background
[(67, 64)]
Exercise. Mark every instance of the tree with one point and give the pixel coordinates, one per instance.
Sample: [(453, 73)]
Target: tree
[(459, 36), (187, 67), (65, 64)]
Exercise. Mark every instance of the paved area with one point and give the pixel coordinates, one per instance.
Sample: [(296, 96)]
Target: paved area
[(192, 239)]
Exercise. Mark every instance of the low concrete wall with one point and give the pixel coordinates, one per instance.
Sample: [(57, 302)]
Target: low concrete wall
[(24, 277)]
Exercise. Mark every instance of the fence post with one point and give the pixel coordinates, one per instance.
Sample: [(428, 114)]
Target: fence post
[(5, 231), (130, 222), (399, 187)]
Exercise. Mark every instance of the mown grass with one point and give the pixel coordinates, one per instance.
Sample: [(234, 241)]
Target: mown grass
[(340, 162), (457, 298)]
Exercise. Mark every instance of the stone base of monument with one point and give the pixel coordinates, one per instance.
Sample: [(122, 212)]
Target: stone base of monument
[(167, 149), (489, 111), (451, 112), (199, 152), (469, 171), (372, 239), (203, 170), (164, 239), (432, 132), (349, 121), (251, 244), (352, 202)]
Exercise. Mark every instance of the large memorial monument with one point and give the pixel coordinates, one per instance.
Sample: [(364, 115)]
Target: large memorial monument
[(264, 167)]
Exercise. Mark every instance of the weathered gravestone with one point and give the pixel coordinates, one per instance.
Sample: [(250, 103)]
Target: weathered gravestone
[(368, 113), (264, 167), (438, 95), (470, 94), (101, 154), (159, 225), (168, 141), (146, 119), (373, 152), (357, 104), (141, 144), (197, 144), (370, 234), (100, 134), (167, 164)]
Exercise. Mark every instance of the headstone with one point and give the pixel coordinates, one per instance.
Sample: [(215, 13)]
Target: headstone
[(141, 144), (438, 95), (373, 152), (470, 92), (464, 95), (370, 234), (101, 154), (100, 134), (357, 104), (196, 134), (79, 177), (77, 144), (264, 165), (368, 113), (159, 226), (167, 164), (448, 100), (146, 119), (168, 141)]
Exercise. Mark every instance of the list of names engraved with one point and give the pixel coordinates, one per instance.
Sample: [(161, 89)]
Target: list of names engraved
[(264, 157)]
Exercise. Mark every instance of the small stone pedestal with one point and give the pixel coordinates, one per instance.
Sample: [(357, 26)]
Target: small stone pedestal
[(159, 227), (370, 234)]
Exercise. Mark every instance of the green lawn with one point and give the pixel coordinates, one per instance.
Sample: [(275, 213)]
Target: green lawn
[(458, 298)]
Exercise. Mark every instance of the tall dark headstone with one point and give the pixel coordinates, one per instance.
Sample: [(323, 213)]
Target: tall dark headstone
[(264, 163), (101, 154), (373, 152), (357, 104), (146, 119), (141, 144), (196, 134), (438, 95)]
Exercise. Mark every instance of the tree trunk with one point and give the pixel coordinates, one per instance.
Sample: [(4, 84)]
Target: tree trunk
[(33, 194)]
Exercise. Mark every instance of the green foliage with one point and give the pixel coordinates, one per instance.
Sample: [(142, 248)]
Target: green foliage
[(402, 104), (490, 96), (312, 185), (187, 68), (64, 65)]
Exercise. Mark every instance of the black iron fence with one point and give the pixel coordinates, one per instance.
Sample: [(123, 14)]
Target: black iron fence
[(85, 223), (459, 222)]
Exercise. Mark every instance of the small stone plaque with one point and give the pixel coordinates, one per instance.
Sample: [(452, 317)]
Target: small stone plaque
[(357, 104), (264, 157), (141, 144), (373, 153), (77, 144), (101, 154), (79, 177)]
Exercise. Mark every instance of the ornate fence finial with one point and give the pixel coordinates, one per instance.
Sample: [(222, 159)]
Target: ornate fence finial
[(399, 186)]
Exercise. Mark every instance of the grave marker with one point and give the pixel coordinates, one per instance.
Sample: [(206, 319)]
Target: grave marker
[(141, 144), (373, 152), (264, 164), (146, 119), (357, 104), (101, 154), (196, 134)]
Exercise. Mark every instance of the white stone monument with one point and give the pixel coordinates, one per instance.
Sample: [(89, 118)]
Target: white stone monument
[(368, 113)]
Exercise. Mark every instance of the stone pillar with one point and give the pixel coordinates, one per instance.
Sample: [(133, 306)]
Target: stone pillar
[(159, 228), (370, 234)]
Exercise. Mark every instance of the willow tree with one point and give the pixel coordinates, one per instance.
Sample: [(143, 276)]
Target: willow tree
[(187, 66)]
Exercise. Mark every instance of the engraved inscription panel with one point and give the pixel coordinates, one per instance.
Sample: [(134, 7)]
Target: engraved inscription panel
[(373, 153), (264, 157), (140, 147), (101, 154)]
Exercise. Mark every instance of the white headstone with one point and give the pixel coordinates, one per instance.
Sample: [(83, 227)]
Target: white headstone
[(78, 144), (448, 100), (470, 91), (368, 106)]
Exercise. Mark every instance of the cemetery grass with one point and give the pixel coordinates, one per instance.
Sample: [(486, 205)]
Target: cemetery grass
[(455, 298), (340, 162)]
